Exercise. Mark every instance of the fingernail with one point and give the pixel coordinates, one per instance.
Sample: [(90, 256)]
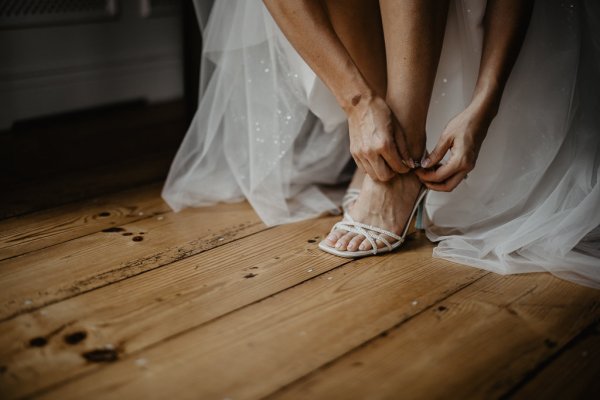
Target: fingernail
[(425, 163)]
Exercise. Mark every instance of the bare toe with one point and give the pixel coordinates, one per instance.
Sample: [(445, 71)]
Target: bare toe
[(342, 242), (365, 245), (333, 237), (355, 242)]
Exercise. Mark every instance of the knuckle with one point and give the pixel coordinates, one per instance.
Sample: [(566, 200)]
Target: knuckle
[(467, 165), (379, 145)]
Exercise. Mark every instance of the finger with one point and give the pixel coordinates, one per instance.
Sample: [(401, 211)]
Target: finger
[(360, 164), (402, 148), (383, 170), (394, 161), (368, 168), (448, 185), (440, 174), (438, 153), (406, 159)]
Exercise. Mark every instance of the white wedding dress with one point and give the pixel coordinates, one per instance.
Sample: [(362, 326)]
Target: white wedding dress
[(269, 131)]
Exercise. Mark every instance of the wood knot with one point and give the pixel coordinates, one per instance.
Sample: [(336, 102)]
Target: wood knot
[(113, 229), (75, 337), (38, 341), (101, 355)]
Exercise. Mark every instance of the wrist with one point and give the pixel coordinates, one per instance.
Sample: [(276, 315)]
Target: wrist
[(486, 99), (356, 100), (355, 94)]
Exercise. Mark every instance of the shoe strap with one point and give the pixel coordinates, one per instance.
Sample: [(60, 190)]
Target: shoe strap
[(371, 233), (350, 197), (350, 225)]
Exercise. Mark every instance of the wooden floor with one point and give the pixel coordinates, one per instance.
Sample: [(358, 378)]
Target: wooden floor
[(119, 298)]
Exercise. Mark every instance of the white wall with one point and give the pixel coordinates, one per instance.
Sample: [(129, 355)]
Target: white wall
[(52, 69)]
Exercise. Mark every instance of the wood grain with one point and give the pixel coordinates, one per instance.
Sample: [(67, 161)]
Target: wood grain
[(573, 375), (478, 343), (20, 235), (62, 271), (255, 350), (43, 193), (168, 301)]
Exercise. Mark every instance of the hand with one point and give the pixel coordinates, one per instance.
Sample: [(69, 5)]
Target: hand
[(377, 143), (463, 137)]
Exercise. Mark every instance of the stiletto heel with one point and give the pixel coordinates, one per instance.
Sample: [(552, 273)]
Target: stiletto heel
[(419, 220)]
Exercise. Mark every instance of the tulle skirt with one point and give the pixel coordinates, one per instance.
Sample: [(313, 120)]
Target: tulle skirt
[(269, 131)]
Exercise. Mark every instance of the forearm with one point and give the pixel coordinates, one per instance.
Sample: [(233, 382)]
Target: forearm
[(505, 24), (306, 25)]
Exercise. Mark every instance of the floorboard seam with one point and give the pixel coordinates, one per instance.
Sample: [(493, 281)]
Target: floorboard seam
[(379, 335), (87, 234), (592, 329), (17, 314), (4, 217), (176, 335)]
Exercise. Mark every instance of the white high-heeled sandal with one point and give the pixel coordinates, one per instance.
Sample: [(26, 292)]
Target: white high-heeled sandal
[(374, 233), (349, 198)]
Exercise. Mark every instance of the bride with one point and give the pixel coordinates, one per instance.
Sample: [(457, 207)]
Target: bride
[(293, 91)]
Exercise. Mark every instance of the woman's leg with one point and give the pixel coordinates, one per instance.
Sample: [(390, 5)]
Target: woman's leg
[(413, 31), (358, 25)]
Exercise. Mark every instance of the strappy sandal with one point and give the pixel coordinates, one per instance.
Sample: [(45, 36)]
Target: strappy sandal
[(374, 233), (349, 199)]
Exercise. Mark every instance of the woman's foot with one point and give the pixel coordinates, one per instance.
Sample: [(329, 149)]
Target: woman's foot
[(387, 205), (355, 185)]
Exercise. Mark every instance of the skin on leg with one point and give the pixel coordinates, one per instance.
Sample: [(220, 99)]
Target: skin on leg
[(413, 37), (351, 61), (414, 33), (306, 24), (357, 23)]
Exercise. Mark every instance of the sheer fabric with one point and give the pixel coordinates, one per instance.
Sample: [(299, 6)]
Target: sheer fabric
[(268, 130)]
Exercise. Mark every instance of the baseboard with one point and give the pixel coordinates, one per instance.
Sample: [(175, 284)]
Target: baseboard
[(35, 93)]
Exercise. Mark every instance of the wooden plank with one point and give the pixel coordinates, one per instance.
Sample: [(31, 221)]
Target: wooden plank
[(62, 271), (478, 343), (253, 351), (44, 193), (38, 230), (573, 375), (168, 301), (81, 140)]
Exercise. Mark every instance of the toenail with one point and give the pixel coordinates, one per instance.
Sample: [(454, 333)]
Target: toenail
[(331, 237), (338, 245)]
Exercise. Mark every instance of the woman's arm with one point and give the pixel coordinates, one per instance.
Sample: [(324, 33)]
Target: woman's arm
[(307, 26), (505, 25)]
